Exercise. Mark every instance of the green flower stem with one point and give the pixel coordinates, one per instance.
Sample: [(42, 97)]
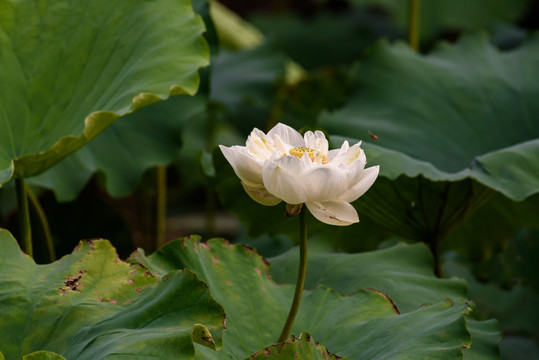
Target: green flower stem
[(36, 206), (300, 282), (161, 206), (413, 23), (24, 217)]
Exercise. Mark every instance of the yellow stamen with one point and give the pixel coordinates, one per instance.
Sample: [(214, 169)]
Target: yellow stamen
[(298, 152)]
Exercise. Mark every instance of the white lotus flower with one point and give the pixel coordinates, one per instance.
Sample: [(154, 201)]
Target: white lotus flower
[(273, 168)]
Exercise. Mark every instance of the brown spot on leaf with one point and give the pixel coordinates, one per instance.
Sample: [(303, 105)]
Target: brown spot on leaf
[(130, 281), (72, 282), (205, 246), (215, 259), (139, 289), (114, 302)]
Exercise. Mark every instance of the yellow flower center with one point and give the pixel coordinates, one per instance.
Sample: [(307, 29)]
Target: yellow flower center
[(298, 152)]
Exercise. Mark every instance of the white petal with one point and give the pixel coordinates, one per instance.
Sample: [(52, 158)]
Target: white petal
[(316, 141), (333, 153), (282, 147), (245, 166), (368, 176), (259, 146), (335, 212), (260, 195), (356, 169), (350, 155), (324, 182), (287, 134), (282, 179)]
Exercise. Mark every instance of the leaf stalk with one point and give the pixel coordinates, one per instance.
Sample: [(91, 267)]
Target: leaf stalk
[(161, 205), (413, 23), (45, 228), (25, 229)]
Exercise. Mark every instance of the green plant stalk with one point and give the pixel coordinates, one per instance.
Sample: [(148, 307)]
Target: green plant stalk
[(45, 228), (25, 229), (300, 282), (413, 23), (161, 206), (210, 204)]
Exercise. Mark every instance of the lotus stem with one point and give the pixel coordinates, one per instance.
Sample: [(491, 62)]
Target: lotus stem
[(434, 244), (300, 282), (45, 228), (413, 23), (210, 204), (25, 229), (161, 213)]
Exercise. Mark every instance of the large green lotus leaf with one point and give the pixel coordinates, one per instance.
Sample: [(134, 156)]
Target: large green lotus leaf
[(420, 209), (403, 272), (439, 15), (362, 326), (92, 305), (516, 308), (141, 140), (497, 223), (485, 339), (152, 136), (245, 76), (303, 347), (343, 35), (464, 111), (43, 355), (72, 70)]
